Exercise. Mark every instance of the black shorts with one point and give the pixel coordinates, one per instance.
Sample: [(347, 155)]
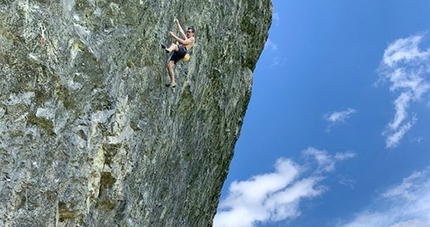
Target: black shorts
[(176, 56)]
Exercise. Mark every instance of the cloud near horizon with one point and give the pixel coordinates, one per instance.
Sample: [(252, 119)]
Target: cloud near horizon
[(276, 196), (404, 205), (407, 68)]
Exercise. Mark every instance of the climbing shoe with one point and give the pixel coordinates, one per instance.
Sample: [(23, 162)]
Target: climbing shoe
[(171, 85), (165, 48)]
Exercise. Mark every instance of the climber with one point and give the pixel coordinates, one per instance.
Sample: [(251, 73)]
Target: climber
[(179, 50)]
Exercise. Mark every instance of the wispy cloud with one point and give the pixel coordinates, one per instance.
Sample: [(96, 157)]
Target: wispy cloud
[(406, 67), (276, 18), (346, 182), (338, 117), (344, 156), (276, 61), (404, 205), (276, 196), (271, 45)]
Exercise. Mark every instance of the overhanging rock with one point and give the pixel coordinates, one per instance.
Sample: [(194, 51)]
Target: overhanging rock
[(89, 135)]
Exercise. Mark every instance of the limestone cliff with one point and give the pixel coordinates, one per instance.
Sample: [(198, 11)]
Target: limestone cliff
[(89, 135)]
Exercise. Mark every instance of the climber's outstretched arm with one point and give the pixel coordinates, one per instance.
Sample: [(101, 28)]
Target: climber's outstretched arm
[(181, 31)]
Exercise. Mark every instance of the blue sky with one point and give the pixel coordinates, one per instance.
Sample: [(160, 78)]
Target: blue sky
[(337, 130)]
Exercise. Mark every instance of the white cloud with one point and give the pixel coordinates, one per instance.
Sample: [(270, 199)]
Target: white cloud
[(396, 135), (403, 205), (338, 117), (324, 160), (404, 50), (276, 196), (406, 67)]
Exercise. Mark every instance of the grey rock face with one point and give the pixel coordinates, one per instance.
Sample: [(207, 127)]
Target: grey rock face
[(89, 135)]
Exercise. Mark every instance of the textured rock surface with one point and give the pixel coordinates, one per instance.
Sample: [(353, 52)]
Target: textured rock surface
[(89, 136)]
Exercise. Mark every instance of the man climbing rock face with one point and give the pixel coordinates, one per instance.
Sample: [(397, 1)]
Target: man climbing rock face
[(179, 51)]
